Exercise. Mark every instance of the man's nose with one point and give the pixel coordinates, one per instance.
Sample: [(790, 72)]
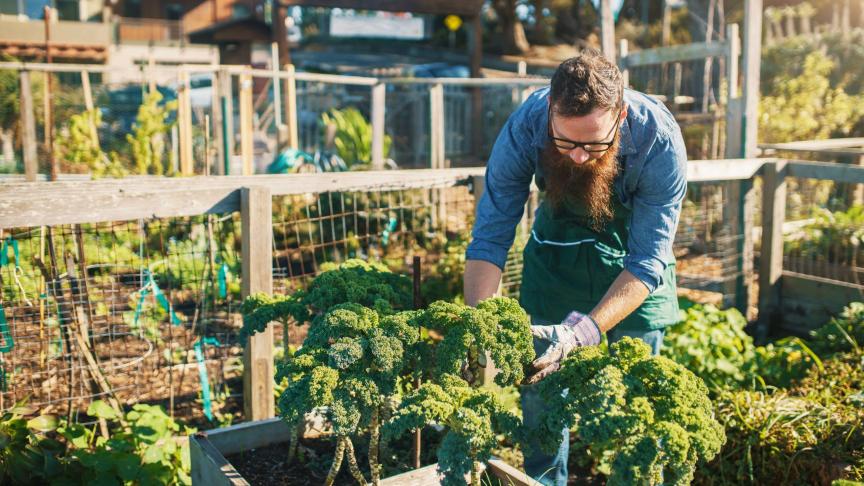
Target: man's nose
[(579, 155)]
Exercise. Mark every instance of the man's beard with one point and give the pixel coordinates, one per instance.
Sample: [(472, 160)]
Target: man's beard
[(588, 184)]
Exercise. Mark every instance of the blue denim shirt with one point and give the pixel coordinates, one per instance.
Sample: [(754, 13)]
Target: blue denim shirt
[(652, 182)]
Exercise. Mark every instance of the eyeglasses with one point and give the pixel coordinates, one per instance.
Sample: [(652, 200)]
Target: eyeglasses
[(590, 147)]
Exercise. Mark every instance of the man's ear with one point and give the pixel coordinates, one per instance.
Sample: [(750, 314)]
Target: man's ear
[(624, 112)]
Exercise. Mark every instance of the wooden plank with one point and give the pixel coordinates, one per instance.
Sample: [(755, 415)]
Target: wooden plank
[(509, 474), (379, 92), (816, 145), (256, 213), (771, 260), (246, 141), (209, 466), (28, 128), (826, 171), (809, 302), (684, 52), (722, 170), (607, 30), (249, 435), (425, 476)]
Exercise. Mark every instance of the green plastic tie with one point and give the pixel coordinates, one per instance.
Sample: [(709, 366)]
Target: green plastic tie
[(4, 252), (391, 227), (8, 340), (202, 373), (152, 287), (223, 281)]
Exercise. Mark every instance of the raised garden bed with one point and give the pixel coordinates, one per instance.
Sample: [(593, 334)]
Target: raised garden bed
[(209, 450)]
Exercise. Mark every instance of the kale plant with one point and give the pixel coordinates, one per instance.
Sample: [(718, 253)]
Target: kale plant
[(349, 363), (473, 417), (461, 335), (645, 419), (454, 353)]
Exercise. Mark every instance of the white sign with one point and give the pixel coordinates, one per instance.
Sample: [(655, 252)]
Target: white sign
[(380, 25)]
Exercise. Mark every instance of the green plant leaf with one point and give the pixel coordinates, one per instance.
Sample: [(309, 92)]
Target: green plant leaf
[(100, 409), (43, 423)]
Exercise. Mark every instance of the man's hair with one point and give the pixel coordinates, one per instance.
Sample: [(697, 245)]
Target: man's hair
[(584, 83)]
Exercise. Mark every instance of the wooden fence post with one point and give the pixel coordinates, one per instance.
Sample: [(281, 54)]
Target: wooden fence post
[(227, 109), (218, 127), (28, 120), (246, 141), (623, 49), (277, 89), (184, 121), (256, 214), (436, 126), (771, 258), (291, 107), (379, 95), (607, 29)]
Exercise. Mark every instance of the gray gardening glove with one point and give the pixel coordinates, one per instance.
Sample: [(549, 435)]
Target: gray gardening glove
[(577, 330)]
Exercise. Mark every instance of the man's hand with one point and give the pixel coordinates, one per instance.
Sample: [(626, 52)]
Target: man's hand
[(576, 330)]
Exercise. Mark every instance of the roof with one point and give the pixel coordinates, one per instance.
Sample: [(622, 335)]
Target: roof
[(242, 29)]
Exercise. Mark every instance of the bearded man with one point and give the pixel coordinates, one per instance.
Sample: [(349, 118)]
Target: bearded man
[(612, 164)]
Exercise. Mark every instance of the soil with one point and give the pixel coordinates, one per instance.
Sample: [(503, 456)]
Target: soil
[(267, 466)]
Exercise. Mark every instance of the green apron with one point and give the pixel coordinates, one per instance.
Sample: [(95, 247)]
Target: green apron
[(569, 266)]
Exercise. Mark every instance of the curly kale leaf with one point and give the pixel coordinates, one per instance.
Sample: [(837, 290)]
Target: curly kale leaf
[(371, 285), (497, 326), (645, 417), (473, 417), (261, 309), (349, 362)]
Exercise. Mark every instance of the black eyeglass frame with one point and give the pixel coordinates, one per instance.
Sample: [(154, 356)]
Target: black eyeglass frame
[(568, 145)]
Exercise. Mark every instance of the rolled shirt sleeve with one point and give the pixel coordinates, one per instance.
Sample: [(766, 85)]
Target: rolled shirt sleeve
[(508, 181), (657, 203)]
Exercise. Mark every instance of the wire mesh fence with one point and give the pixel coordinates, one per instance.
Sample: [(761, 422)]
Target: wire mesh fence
[(131, 302), (824, 230)]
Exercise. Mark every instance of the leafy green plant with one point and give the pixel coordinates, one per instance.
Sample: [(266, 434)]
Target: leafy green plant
[(353, 136), (833, 235), (842, 333), (349, 363), (807, 434), (712, 344), (805, 105), (147, 140), (78, 144), (143, 448), (472, 416), (451, 356), (462, 335), (643, 419)]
